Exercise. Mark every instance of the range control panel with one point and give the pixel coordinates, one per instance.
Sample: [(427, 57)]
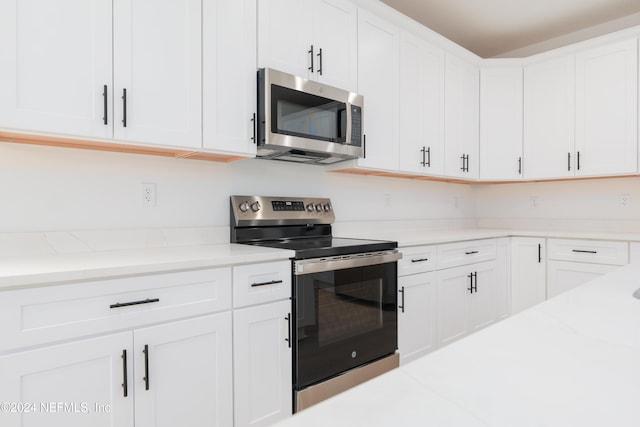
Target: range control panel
[(264, 210)]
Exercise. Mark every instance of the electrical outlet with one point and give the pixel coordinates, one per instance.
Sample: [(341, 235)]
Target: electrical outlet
[(625, 200), (148, 194)]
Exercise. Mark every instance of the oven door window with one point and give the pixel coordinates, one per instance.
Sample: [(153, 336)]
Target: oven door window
[(305, 115), (344, 319)]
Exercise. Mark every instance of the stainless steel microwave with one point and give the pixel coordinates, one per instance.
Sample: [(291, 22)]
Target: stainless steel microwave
[(305, 121)]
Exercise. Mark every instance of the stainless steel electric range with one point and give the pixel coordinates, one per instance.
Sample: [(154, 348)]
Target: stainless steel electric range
[(344, 293)]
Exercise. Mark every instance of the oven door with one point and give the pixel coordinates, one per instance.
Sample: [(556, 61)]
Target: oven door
[(345, 314)]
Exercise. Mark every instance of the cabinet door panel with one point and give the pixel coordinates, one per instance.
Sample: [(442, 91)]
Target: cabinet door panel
[(452, 291), (262, 364), (483, 302), (378, 82), (549, 105), (416, 315), (607, 109), (158, 60), (56, 59), (527, 272), (229, 75), (189, 375), (77, 384), (563, 276)]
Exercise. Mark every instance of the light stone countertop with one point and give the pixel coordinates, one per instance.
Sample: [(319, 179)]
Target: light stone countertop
[(47, 269), (573, 360)]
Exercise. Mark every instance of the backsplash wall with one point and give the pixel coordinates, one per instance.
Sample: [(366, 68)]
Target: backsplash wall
[(581, 205), (55, 189)]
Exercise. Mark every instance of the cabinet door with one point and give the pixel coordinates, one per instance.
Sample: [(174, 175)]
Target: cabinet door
[(462, 87), (483, 300), (77, 384), (229, 75), (158, 62), (262, 364), (55, 64), (563, 276), (607, 110), (421, 106), (453, 286), (285, 36), (416, 315), (549, 106), (335, 31), (501, 124), (527, 272), (183, 373), (378, 68)]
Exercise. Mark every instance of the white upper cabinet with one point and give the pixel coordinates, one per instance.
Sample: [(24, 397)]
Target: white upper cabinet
[(158, 72), (421, 106), (607, 110), (549, 106), (229, 75), (315, 39), (462, 87), (55, 66), (378, 74), (501, 124)]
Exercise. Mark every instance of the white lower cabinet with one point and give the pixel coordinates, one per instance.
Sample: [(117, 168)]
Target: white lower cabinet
[(262, 364), (416, 315), (563, 276), (467, 300), (528, 272)]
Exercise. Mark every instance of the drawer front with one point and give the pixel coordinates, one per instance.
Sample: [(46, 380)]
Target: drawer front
[(590, 251), (417, 259), (463, 253), (260, 283), (40, 315)]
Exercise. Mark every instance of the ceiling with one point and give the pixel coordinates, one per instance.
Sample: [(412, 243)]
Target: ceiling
[(516, 28)]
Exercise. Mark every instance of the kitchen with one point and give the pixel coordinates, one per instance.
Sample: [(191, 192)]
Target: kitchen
[(75, 201)]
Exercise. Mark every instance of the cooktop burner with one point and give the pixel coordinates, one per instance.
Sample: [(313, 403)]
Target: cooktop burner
[(299, 224)]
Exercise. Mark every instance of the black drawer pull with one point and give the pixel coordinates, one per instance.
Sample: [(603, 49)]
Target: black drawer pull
[(471, 252), (401, 307), (273, 282), (146, 366), (127, 304), (584, 252), (125, 377), (288, 339), (420, 260)]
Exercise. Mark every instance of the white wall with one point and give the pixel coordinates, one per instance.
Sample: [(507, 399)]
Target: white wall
[(588, 205), (55, 189)]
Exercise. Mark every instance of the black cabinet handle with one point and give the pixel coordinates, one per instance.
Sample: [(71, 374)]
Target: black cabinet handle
[(568, 161), (401, 307), (474, 281), (310, 52), (470, 288), (519, 165), (146, 366), (288, 319), (583, 251), (463, 169), (578, 161), (124, 108), (428, 157), (420, 260), (272, 282), (424, 156), (471, 252), (127, 304), (125, 379), (364, 146), (253, 121), (320, 61), (104, 105), (539, 253)]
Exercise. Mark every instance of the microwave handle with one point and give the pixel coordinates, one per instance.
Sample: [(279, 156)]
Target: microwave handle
[(347, 137)]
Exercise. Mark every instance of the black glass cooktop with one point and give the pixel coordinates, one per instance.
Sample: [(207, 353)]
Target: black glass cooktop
[(328, 246)]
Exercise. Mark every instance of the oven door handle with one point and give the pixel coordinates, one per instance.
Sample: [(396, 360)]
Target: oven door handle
[(318, 265)]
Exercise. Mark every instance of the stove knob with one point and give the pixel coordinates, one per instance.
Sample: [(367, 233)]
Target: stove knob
[(255, 206), (244, 206), (310, 207), (319, 207), (327, 207)]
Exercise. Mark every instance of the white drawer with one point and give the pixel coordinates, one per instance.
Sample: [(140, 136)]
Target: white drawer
[(39, 315), (417, 259), (591, 251), (463, 253), (260, 283)]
